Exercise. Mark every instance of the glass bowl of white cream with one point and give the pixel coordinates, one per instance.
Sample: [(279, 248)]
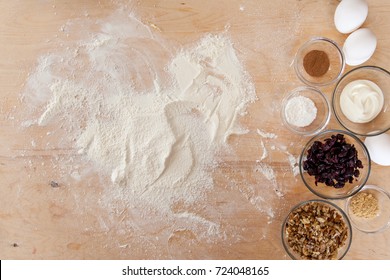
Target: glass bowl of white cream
[(361, 101)]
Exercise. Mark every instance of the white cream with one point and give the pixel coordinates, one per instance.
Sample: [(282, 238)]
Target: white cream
[(361, 101)]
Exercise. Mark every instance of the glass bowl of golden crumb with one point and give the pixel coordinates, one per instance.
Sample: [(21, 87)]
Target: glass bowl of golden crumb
[(369, 209)]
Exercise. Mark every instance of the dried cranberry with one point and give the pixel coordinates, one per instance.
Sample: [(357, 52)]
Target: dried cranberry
[(333, 162)]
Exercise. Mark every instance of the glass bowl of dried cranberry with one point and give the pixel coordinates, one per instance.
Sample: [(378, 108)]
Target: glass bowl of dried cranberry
[(316, 230), (335, 164)]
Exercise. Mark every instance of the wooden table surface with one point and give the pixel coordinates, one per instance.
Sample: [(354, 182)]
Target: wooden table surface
[(38, 221)]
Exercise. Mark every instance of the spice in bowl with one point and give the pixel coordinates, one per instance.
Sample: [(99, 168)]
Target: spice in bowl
[(364, 205), (319, 62), (333, 162), (316, 63), (316, 230)]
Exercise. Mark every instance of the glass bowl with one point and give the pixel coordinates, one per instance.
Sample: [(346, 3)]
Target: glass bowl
[(381, 123), (297, 219), (321, 103), (381, 220), (335, 56), (329, 192)]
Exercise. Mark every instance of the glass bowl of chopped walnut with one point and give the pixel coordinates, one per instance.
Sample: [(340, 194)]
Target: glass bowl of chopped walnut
[(316, 230), (335, 164), (369, 209)]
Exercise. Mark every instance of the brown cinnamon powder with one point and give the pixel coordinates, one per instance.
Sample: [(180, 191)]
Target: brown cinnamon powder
[(316, 63)]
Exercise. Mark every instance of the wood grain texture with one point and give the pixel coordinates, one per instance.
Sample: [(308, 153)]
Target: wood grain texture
[(38, 221)]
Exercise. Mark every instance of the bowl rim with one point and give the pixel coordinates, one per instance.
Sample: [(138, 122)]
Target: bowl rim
[(335, 131), (307, 43), (368, 187), (297, 90), (373, 67), (341, 211)]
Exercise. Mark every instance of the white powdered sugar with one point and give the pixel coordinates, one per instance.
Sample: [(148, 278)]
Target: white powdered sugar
[(300, 111)]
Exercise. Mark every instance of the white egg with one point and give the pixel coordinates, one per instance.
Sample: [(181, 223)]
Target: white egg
[(379, 148), (350, 15), (359, 46)]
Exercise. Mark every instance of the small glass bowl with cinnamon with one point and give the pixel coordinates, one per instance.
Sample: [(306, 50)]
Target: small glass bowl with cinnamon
[(319, 62)]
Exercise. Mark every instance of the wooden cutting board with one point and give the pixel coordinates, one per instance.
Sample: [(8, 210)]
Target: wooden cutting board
[(40, 220)]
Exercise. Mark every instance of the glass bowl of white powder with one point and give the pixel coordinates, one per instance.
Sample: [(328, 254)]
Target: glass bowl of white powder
[(361, 101), (305, 111)]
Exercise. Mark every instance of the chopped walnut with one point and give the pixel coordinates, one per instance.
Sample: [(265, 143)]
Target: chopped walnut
[(316, 231)]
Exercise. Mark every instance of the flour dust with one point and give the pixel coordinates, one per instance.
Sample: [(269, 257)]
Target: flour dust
[(148, 117)]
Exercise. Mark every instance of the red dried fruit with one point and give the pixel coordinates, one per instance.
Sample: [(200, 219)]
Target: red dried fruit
[(333, 162)]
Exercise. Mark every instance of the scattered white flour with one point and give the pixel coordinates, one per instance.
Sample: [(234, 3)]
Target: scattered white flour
[(265, 153), (266, 134), (300, 111), (267, 171), (293, 163), (269, 174), (151, 122), (212, 228)]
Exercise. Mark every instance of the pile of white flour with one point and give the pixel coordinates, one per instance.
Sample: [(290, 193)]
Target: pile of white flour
[(151, 118)]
